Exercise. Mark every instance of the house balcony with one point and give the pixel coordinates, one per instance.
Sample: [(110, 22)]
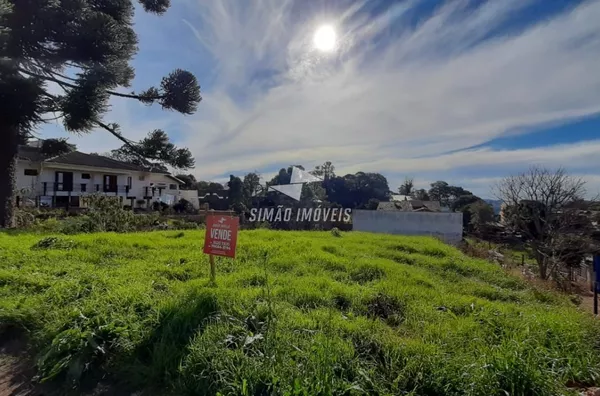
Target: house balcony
[(75, 189), (48, 189)]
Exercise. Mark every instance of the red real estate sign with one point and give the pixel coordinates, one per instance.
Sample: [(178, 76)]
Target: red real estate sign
[(221, 235)]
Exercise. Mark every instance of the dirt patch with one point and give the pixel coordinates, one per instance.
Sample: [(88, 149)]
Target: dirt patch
[(16, 370)]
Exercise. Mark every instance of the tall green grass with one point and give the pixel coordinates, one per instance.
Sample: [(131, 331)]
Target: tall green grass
[(297, 313)]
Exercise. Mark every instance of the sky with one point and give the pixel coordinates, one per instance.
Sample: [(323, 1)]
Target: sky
[(462, 91)]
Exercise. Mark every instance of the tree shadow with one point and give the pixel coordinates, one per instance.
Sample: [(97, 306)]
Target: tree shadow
[(155, 362)]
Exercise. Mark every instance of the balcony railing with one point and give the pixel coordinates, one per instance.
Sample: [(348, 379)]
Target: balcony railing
[(49, 188), (152, 191)]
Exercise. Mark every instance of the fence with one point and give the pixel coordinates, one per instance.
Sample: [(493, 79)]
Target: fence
[(446, 226)]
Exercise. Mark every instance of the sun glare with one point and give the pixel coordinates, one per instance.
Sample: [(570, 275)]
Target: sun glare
[(325, 39)]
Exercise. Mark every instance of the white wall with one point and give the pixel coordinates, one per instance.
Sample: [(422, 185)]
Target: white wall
[(191, 196), (28, 182), (446, 226)]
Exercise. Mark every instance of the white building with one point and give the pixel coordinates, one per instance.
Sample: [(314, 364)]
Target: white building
[(63, 180)]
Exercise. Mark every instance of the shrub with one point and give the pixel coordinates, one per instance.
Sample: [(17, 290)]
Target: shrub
[(184, 206), (105, 213), (159, 206)]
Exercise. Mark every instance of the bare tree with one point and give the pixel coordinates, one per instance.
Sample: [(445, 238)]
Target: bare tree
[(547, 208)]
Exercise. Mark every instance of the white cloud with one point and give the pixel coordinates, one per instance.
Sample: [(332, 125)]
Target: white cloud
[(388, 102), (432, 90)]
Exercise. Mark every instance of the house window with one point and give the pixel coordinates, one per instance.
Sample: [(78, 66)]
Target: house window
[(142, 178), (86, 176), (110, 183), (172, 186), (31, 172), (129, 181), (83, 187), (63, 181)]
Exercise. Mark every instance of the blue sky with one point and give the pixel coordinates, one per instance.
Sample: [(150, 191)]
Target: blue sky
[(462, 91)]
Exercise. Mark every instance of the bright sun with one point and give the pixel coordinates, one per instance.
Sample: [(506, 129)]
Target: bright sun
[(325, 38)]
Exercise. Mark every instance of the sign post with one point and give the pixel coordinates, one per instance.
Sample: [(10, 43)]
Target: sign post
[(596, 282), (220, 239)]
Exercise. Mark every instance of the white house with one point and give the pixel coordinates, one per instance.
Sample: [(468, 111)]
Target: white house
[(63, 180)]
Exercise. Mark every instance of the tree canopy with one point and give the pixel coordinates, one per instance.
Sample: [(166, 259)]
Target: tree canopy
[(64, 60), (407, 188)]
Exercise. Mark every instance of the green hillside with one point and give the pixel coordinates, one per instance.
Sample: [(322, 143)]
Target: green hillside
[(297, 313)]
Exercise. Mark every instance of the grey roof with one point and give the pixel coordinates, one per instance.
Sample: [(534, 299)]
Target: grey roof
[(30, 153), (78, 158), (399, 197), (410, 206)]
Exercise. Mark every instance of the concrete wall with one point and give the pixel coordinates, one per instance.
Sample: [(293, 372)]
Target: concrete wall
[(446, 226)]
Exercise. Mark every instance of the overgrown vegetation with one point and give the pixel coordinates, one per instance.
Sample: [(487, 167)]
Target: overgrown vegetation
[(103, 214), (297, 313)]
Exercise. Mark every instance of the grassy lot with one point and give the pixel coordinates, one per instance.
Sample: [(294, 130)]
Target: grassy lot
[(297, 313)]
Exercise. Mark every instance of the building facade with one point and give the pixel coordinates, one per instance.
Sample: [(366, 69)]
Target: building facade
[(65, 180)]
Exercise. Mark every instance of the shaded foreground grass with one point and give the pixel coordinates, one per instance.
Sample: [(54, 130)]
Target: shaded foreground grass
[(297, 313)]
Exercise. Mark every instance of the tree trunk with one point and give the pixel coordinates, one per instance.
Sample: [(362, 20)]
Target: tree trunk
[(542, 264), (8, 163)]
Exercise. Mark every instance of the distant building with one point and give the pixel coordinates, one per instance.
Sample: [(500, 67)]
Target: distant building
[(413, 205), (398, 197)]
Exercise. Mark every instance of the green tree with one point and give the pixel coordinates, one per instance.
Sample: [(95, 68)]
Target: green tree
[(421, 194), (325, 171), (355, 191), (448, 195), (480, 214), (189, 180), (56, 147), (252, 186), (440, 191), (463, 201), (94, 40), (236, 194), (407, 188)]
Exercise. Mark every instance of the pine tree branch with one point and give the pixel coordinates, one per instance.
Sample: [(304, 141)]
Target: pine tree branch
[(64, 83), (52, 119), (116, 134), (133, 96), (127, 142)]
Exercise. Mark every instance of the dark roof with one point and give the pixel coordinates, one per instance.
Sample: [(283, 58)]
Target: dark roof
[(29, 153), (410, 206), (78, 158)]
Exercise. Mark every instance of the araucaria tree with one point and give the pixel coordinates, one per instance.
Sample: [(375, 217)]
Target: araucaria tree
[(65, 60), (547, 209)]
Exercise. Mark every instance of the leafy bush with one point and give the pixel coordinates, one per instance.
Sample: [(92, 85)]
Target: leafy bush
[(105, 213), (159, 206), (184, 206)]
